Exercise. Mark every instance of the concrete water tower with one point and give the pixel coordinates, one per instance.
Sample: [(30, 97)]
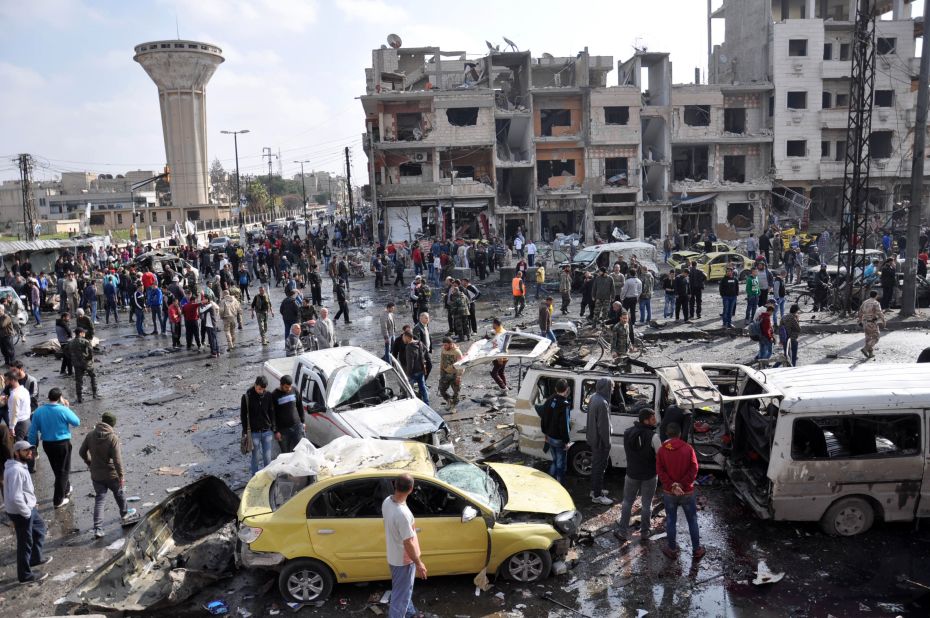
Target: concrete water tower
[(181, 70)]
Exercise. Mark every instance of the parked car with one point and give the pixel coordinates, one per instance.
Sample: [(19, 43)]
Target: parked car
[(590, 259), (219, 244), (714, 265), (348, 391), (317, 519), (679, 259), (18, 313), (716, 246), (156, 260), (863, 258)]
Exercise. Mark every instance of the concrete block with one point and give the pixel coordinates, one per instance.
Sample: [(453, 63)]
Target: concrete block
[(506, 274)]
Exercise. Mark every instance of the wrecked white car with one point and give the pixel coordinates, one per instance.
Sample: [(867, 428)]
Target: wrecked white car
[(509, 345), (348, 391)]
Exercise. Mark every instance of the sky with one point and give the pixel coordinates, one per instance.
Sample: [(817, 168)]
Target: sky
[(71, 94)]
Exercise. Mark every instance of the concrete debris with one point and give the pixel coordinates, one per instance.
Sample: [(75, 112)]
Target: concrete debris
[(170, 471), (765, 576)]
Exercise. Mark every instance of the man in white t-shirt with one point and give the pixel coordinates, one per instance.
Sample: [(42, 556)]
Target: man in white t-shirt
[(403, 548), (531, 253), (20, 410), (518, 245)]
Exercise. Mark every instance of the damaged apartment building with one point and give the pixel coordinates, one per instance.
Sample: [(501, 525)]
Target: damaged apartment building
[(473, 147)]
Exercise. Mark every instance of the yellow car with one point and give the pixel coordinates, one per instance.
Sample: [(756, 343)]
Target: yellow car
[(716, 246), (714, 265), (681, 259), (326, 527)]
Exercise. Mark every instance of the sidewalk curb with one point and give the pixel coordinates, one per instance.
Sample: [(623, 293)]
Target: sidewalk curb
[(806, 329)]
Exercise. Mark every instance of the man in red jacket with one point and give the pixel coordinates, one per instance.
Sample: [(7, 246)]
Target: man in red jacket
[(677, 467)]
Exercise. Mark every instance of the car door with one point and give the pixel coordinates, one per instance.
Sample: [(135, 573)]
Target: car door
[(448, 544), (629, 395), (923, 505), (322, 427), (346, 528)]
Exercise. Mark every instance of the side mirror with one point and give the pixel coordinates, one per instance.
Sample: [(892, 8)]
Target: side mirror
[(468, 514)]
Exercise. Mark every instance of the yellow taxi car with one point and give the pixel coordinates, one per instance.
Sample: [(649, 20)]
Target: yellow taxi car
[(714, 265), (681, 259), (325, 527)]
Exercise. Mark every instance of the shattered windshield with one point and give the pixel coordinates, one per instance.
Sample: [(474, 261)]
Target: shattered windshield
[(586, 255), (474, 481), (363, 386)]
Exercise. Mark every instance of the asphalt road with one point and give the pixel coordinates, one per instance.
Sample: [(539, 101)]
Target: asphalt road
[(191, 422)]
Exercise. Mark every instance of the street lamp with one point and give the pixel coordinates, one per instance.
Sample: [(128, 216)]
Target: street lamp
[(236, 135), (303, 184)]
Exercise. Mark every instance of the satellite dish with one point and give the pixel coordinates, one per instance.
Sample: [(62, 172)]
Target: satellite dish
[(394, 41), (512, 45), (723, 59), (548, 56), (493, 48)]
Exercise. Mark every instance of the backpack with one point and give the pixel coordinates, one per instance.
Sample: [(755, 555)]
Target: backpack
[(226, 311), (755, 330)]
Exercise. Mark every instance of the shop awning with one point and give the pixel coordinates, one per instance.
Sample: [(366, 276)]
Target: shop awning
[(464, 203), (698, 199)]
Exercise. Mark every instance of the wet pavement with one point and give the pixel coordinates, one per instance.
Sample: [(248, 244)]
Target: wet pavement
[(179, 411)]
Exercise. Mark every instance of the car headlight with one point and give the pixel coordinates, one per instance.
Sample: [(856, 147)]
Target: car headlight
[(248, 534), (568, 522)]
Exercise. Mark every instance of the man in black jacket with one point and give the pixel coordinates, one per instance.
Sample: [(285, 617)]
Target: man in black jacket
[(290, 312), (640, 444), (288, 415), (682, 293), (341, 298), (415, 363), (555, 420), (889, 281), (729, 290), (258, 421), (696, 278)]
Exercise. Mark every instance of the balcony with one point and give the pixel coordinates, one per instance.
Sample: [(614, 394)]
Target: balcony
[(835, 118), (836, 69), (831, 170), (464, 187)]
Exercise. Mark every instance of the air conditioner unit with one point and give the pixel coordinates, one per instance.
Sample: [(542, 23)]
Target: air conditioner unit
[(753, 195), (419, 157)]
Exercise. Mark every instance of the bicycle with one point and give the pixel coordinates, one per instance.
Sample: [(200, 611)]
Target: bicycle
[(833, 299)]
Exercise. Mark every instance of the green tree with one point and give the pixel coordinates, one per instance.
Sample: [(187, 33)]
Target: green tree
[(222, 182), (257, 196), (321, 198)]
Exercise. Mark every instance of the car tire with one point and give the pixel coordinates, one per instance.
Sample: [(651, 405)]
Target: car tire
[(527, 567), (305, 581), (580, 459), (848, 517)]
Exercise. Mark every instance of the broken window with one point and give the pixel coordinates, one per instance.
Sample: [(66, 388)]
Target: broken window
[(462, 116), (797, 99), (550, 118), (546, 386), (828, 51), (549, 169), (734, 168), (409, 128), (824, 150), (429, 500), (411, 169), (840, 150), (796, 148), (739, 214), (615, 171), (856, 437), (734, 120), (827, 101), (884, 98), (697, 115), (797, 47), (351, 500), (844, 51), (464, 171), (616, 115), (652, 224), (626, 398), (885, 45), (690, 163), (880, 144), (842, 100), (771, 105)]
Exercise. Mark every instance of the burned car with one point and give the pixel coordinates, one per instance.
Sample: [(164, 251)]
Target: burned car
[(157, 260), (315, 516), (347, 391)]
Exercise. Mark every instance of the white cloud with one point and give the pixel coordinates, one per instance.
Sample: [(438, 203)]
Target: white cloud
[(16, 78), (374, 11), (245, 19), (58, 14)]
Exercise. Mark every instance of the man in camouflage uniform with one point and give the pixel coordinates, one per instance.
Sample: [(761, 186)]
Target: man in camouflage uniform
[(565, 287), (603, 291), (458, 305), (449, 374), (870, 316), (82, 359), (620, 340)]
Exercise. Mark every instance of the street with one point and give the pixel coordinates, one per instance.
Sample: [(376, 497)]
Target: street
[(179, 411)]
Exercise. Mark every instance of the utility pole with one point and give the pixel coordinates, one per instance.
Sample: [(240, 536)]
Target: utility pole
[(909, 293), (266, 152), (236, 135), (349, 189), (26, 162), (303, 184)]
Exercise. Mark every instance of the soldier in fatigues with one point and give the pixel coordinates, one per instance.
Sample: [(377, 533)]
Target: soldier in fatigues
[(449, 374), (603, 291), (82, 358), (565, 287), (870, 316), (458, 305)]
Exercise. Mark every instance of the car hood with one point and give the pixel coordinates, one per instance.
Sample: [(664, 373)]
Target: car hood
[(407, 418), (532, 491)]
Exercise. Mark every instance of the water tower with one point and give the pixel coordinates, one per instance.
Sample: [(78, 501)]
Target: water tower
[(181, 70)]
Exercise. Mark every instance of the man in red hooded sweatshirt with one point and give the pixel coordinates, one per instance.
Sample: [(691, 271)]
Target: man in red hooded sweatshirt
[(677, 467)]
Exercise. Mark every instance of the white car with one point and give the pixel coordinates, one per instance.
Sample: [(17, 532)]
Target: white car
[(219, 244), (347, 391), (20, 314)]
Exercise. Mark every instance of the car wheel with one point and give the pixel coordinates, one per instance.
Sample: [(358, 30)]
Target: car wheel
[(305, 581), (580, 459), (528, 566), (848, 517)]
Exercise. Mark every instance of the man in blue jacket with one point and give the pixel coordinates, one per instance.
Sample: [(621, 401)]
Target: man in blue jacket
[(154, 299), (52, 422)]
